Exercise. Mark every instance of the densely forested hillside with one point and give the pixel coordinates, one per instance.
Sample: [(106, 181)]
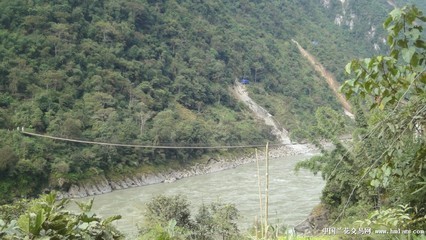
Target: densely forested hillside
[(159, 72), (334, 33)]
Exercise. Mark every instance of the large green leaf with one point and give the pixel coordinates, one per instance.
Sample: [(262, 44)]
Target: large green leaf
[(407, 54)]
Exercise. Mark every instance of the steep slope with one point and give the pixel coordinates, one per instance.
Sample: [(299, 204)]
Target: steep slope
[(241, 93), (156, 72), (331, 81)]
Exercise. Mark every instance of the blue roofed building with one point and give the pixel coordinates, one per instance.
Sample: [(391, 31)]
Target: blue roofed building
[(244, 81)]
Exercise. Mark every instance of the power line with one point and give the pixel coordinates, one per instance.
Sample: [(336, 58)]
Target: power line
[(146, 146)]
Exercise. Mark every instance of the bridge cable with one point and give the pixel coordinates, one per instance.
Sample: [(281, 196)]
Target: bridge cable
[(147, 146)]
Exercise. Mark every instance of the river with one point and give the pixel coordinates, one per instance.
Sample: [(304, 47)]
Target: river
[(292, 195)]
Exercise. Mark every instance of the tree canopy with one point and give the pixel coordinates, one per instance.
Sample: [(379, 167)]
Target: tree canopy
[(156, 72), (383, 168)]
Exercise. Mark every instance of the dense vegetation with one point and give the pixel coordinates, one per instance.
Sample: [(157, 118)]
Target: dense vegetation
[(153, 72), (146, 72), (46, 218), (379, 178), (169, 217), (294, 96)]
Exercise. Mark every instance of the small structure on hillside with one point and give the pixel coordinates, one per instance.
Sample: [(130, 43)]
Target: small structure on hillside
[(244, 81)]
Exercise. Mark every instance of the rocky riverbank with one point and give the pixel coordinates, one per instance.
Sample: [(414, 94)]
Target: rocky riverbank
[(316, 221), (102, 185)]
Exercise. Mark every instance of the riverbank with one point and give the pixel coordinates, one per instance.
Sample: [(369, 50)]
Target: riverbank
[(102, 184)]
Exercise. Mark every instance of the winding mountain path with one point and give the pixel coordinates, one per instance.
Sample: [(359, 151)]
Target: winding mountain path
[(241, 94), (332, 83)]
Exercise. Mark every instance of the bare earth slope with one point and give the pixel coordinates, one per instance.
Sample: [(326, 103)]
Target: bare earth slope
[(331, 81), (241, 94)]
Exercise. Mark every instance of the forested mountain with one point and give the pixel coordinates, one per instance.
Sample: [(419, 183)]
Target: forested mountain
[(159, 72)]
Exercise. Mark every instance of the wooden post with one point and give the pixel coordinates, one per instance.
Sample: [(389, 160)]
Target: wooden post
[(267, 189), (260, 195)]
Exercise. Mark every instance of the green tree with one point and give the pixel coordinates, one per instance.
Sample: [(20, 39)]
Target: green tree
[(217, 220), (384, 167), (161, 209), (169, 217), (394, 87), (8, 158)]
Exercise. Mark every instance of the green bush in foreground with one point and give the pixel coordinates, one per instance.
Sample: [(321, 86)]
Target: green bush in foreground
[(45, 218), (169, 217)]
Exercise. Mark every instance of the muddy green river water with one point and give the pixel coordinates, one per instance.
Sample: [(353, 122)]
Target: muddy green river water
[(292, 195)]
